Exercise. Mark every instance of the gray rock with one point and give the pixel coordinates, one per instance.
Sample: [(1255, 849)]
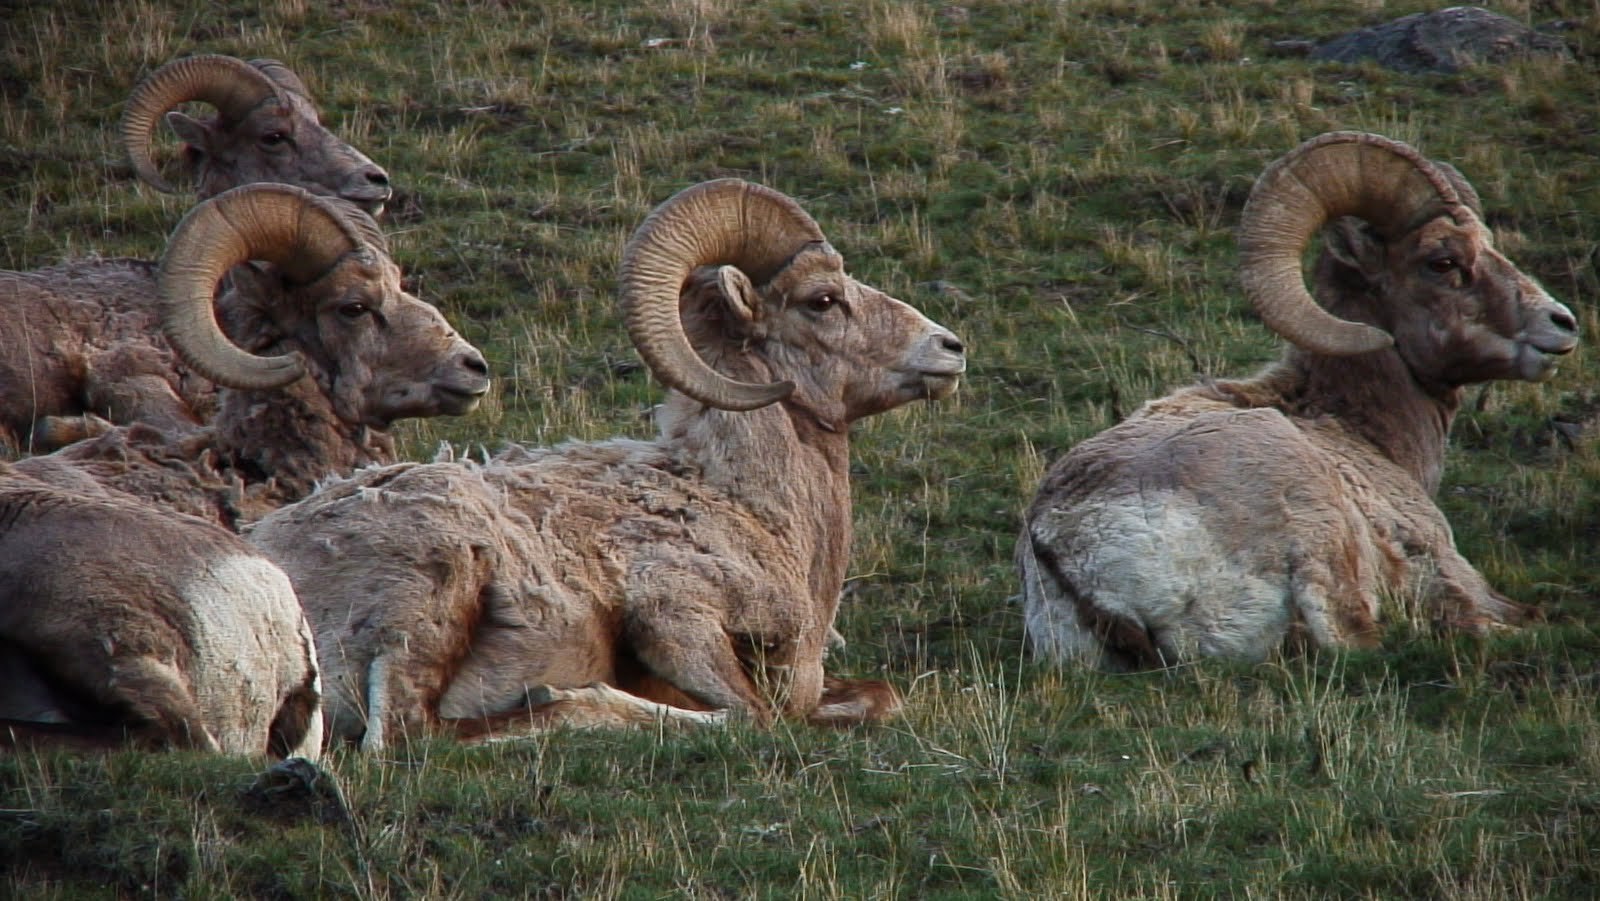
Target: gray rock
[(297, 789), (1445, 41)]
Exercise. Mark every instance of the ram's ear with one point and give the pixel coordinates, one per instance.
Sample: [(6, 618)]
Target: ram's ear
[(190, 131), (259, 284), (723, 293), (1355, 245), (738, 293), (255, 300)]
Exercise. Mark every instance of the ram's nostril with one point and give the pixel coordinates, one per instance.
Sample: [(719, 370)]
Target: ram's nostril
[(1564, 320)]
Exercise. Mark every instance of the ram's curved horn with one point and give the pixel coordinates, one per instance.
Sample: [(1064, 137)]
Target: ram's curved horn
[(233, 86), (301, 233), (1383, 181), (722, 222)]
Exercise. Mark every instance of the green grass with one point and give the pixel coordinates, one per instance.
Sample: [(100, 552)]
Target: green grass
[(1058, 183)]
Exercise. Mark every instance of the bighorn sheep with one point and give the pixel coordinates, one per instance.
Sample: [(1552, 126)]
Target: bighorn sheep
[(700, 570), (1230, 517), (267, 129), (344, 352), (122, 618), (78, 344), (120, 623)]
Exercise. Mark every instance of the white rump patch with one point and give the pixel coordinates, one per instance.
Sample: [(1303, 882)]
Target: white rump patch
[(251, 647), (1150, 559)]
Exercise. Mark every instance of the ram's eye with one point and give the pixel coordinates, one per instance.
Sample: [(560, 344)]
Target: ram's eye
[(1443, 264), (822, 303), (354, 310), (274, 138)]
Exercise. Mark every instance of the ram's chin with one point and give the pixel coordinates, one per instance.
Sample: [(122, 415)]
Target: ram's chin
[(1534, 366), (939, 387), (456, 403)]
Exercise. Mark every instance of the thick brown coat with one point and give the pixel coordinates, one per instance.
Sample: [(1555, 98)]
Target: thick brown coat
[(122, 623), (1231, 517), (701, 570)]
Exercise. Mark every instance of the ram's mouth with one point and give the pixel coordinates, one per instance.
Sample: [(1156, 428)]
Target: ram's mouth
[(373, 208), (372, 201), (454, 400), (1559, 347), (1537, 364)]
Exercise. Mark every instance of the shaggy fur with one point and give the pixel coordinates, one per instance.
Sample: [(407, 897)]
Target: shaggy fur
[(120, 623), (701, 570), (80, 347)]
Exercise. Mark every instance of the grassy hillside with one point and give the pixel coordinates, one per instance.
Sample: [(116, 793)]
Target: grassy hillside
[(1058, 183)]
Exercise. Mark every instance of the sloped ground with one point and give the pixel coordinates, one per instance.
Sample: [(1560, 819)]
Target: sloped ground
[(1057, 183)]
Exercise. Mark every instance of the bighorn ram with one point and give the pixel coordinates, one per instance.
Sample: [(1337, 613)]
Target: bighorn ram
[(1229, 517), (700, 570), (267, 129), (326, 351), (120, 623), (123, 619), (79, 345)]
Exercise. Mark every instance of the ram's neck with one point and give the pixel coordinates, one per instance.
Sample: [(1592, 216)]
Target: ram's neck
[(1373, 395), (787, 469), (1376, 396), (282, 443)]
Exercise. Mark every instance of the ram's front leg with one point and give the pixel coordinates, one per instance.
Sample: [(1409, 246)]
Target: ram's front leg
[(687, 646), (55, 432), (1461, 599)]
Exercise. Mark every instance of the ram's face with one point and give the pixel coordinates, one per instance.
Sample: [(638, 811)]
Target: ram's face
[(281, 141), (1471, 314), (387, 354), (850, 345)]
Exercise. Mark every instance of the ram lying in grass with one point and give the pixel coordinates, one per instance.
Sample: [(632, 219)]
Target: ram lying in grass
[(1230, 517), (322, 352), (627, 580), (79, 346), (130, 611), (125, 624)]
